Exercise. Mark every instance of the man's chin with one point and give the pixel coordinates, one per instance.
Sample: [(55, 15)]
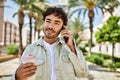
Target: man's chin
[(50, 37)]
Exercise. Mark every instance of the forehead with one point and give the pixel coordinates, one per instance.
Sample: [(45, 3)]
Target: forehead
[(52, 17)]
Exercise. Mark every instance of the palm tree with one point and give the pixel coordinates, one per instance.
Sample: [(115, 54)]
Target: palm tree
[(111, 5), (87, 6), (26, 5), (77, 27), (36, 7), (21, 15), (2, 1)]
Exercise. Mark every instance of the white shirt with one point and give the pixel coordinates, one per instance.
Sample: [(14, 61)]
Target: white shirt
[(51, 49)]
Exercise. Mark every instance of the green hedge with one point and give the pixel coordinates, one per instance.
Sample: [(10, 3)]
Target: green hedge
[(103, 60), (11, 49), (95, 59)]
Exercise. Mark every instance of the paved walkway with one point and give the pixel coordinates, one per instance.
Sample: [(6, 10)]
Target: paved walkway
[(96, 72)]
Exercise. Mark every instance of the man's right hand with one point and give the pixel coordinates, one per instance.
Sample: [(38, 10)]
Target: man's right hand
[(25, 71)]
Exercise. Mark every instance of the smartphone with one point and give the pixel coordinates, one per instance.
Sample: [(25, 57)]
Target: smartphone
[(65, 37)]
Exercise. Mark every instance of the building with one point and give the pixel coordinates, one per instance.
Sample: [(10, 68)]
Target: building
[(1, 19)]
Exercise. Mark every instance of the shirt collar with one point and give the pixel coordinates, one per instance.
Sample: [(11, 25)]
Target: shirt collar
[(41, 43)]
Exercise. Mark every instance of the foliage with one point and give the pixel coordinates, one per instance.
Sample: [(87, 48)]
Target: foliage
[(11, 49), (85, 5), (88, 43), (117, 64), (77, 26), (111, 4), (110, 31), (83, 49), (103, 60), (95, 59)]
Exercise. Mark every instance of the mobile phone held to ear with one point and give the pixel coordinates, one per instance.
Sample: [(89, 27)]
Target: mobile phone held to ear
[(65, 37)]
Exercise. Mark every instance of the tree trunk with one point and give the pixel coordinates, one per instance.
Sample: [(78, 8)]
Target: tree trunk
[(38, 34), (20, 39), (113, 61), (30, 30), (21, 22), (91, 16)]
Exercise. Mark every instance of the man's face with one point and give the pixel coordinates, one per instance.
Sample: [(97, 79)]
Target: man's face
[(52, 26)]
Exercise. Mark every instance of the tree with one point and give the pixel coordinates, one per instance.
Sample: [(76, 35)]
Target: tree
[(36, 7), (111, 5), (25, 5), (77, 27), (87, 5), (21, 15), (110, 32)]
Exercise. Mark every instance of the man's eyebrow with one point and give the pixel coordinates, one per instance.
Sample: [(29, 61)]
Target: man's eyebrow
[(47, 19), (57, 21)]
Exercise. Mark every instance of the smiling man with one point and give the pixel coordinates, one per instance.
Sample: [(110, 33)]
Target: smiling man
[(56, 58)]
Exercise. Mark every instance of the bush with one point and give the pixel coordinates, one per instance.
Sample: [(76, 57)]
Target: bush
[(95, 59), (116, 59), (117, 64), (98, 60), (82, 49), (11, 49), (106, 56), (91, 59), (107, 63)]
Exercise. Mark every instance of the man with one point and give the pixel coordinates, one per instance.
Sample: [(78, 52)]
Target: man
[(58, 58)]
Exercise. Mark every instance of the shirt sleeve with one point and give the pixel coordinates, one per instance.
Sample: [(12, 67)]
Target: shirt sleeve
[(79, 63), (13, 76)]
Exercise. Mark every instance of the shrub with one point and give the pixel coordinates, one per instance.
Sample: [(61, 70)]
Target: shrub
[(98, 60), (116, 59), (117, 64), (91, 59), (107, 63), (95, 59), (83, 49), (106, 56), (11, 49)]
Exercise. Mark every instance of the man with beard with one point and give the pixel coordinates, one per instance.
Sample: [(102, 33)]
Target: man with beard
[(56, 58)]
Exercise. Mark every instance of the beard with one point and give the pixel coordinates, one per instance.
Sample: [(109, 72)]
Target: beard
[(51, 34)]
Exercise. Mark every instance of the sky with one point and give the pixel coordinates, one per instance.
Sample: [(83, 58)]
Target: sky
[(13, 8), (8, 13)]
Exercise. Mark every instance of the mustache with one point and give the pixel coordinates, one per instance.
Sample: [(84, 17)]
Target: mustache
[(50, 29)]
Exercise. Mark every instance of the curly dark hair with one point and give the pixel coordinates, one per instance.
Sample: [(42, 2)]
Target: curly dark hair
[(57, 11)]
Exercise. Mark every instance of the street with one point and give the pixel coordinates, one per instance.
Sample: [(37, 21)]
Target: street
[(7, 68)]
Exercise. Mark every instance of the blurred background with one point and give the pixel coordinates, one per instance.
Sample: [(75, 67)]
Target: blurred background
[(94, 24)]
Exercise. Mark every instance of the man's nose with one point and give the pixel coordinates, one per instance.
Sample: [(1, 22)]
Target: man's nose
[(51, 25)]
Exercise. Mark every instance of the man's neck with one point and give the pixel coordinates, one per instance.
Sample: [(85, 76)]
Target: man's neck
[(50, 41)]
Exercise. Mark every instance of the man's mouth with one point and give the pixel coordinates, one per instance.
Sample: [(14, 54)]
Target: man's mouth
[(50, 31)]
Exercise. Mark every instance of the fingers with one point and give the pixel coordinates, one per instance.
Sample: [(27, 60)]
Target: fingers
[(25, 71), (66, 33), (30, 68)]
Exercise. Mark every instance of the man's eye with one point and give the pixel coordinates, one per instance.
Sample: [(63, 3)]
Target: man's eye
[(56, 23), (48, 21)]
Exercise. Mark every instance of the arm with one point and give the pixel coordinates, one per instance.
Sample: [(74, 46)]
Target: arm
[(24, 70), (79, 63), (76, 56)]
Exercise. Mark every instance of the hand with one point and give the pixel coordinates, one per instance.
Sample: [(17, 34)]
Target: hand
[(70, 43), (25, 71)]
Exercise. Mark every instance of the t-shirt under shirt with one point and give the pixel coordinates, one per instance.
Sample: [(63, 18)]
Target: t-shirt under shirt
[(51, 50)]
